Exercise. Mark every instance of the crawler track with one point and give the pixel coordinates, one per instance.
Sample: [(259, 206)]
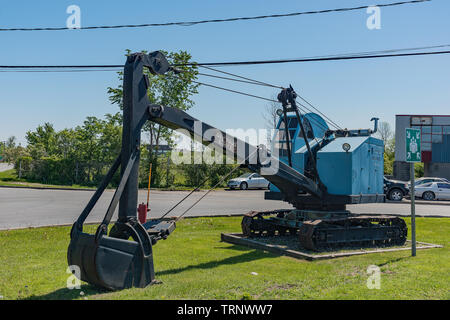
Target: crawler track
[(347, 231)]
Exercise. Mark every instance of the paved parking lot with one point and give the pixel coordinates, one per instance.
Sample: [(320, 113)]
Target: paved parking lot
[(21, 208)]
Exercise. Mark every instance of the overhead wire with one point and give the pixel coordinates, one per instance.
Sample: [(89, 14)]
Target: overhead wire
[(191, 23), (356, 56), (333, 58)]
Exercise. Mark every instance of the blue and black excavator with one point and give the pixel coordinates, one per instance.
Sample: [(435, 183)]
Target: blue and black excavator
[(317, 170)]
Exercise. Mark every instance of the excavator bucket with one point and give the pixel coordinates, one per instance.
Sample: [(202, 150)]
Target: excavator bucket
[(111, 263)]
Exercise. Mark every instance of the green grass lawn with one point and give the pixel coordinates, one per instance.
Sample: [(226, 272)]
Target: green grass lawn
[(194, 264)]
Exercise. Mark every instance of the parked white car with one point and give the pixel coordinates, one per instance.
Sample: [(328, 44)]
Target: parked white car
[(248, 181), (433, 191)]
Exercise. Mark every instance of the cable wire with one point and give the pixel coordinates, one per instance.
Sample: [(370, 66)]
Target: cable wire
[(245, 78), (231, 79), (334, 124), (337, 58), (234, 91), (216, 185), (191, 23), (204, 65)]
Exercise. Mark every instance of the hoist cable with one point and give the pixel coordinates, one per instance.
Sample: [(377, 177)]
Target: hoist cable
[(245, 78), (216, 185), (187, 196), (231, 79), (329, 122), (233, 91), (308, 103), (321, 125)]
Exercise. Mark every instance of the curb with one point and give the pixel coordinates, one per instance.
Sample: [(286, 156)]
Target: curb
[(422, 202), (85, 189), (47, 188)]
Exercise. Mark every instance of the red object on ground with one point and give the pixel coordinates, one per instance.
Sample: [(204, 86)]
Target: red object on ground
[(142, 213)]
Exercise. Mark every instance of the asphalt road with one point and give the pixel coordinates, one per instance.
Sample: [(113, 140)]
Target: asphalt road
[(21, 208), (6, 166)]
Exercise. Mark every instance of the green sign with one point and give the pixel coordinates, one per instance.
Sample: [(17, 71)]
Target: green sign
[(413, 153)]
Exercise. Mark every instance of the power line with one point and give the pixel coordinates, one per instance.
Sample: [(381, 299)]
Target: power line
[(236, 63), (62, 71), (362, 55), (191, 23), (382, 51), (99, 66)]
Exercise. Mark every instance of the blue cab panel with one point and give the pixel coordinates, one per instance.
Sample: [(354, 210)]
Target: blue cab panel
[(358, 171)]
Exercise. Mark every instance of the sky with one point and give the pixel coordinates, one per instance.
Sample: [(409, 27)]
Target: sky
[(349, 92)]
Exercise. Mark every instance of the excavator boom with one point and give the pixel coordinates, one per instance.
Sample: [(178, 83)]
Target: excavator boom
[(255, 158)]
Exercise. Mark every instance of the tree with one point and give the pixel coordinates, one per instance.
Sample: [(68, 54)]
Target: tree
[(389, 156), (13, 152), (42, 141), (169, 90), (271, 117), (385, 132)]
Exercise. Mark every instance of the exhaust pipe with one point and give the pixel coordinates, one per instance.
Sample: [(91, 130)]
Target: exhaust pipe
[(375, 127)]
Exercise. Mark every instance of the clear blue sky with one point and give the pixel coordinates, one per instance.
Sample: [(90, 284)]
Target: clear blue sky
[(349, 92)]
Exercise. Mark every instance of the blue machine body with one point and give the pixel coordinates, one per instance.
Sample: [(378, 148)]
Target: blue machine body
[(354, 172)]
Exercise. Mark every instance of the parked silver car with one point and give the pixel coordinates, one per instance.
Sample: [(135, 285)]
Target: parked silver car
[(425, 180), (433, 190), (248, 181)]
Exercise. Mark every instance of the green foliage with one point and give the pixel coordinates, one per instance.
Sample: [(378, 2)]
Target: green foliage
[(8, 175), (195, 173), (72, 156), (11, 152), (419, 170), (389, 157)]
